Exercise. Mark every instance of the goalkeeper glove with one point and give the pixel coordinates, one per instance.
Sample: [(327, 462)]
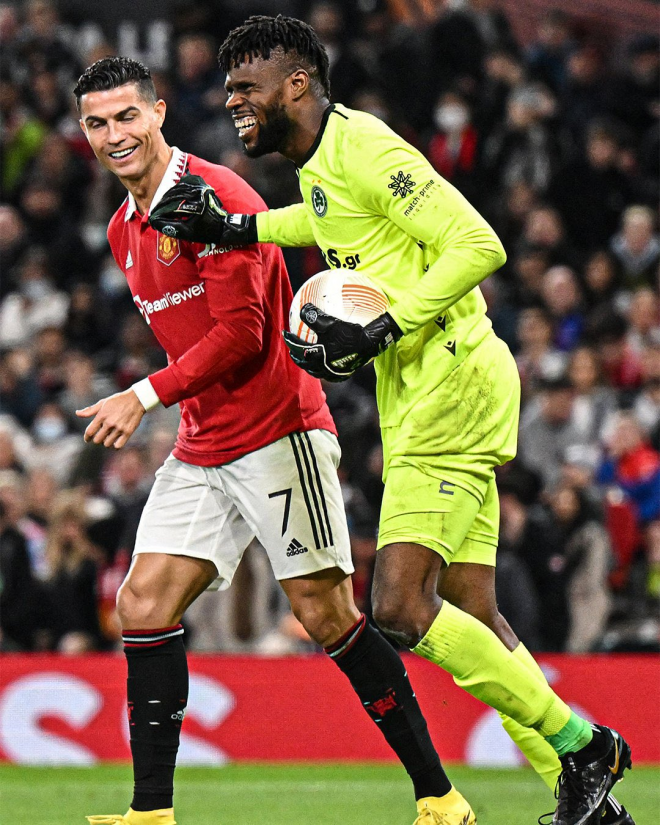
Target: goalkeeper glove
[(191, 211), (342, 347)]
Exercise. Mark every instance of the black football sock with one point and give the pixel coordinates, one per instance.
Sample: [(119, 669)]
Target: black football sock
[(157, 691), (596, 749), (377, 674)]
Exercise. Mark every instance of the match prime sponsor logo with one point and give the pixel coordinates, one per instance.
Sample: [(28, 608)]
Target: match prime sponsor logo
[(169, 299), (419, 198)]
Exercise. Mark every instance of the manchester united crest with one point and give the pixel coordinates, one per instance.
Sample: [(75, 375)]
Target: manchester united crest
[(168, 249)]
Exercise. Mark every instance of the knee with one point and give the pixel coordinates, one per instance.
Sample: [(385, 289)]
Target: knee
[(400, 619), (138, 607), (323, 623)]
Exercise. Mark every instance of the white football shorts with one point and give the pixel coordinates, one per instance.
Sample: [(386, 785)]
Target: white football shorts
[(286, 494)]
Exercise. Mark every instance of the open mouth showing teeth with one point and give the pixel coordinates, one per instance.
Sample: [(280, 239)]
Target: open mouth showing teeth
[(123, 153), (244, 125)]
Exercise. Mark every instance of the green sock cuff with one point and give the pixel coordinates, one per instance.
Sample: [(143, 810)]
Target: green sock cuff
[(444, 635), (575, 734)]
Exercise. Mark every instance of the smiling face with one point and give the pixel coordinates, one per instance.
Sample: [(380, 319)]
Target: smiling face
[(123, 129), (258, 96)]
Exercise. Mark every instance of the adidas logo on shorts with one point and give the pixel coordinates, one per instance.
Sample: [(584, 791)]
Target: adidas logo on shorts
[(295, 548)]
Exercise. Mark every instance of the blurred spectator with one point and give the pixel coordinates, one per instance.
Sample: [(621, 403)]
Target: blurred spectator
[(35, 305), (544, 229), (40, 46), (43, 210), (600, 281), (547, 430), (198, 79), (636, 248), (55, 445), (20, 598), (538, 360), (20, 393), (593, 402), (607, 331), (452, 149), (71, 582), (632, 465), (530, 540), (647, 403), (65, 170), (587, 556), (562, 299), (49, 349), (548, 56), (21, 136), (633, 94), (523, 149), (83, 387), (590, 191), (13, 245), (583, 93), (347, 73), (88, 324)]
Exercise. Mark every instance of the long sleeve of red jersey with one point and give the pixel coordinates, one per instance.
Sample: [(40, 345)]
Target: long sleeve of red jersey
[(235, 294)]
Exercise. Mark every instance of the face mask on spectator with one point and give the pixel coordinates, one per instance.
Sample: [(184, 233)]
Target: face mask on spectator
[(451, 117), (49, 429), (36, 289)]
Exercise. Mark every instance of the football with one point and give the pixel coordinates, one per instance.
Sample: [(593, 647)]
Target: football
[(350, 296)]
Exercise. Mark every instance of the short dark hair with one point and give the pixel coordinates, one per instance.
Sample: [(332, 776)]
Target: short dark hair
[(261, 35), (113, 72)]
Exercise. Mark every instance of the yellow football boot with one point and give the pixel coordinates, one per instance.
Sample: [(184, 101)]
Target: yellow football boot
[(165, 816), (450, 809)]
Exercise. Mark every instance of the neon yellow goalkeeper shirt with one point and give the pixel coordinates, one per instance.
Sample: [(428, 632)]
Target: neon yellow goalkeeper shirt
[(374, 203)]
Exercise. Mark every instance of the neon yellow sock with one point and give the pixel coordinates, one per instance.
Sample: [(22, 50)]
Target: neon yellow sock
[(482, 665), (540, 754)]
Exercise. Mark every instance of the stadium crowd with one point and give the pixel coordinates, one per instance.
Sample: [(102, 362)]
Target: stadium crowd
[(555, 141)]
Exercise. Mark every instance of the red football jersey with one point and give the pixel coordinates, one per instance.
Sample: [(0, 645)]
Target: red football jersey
[(218, 312)]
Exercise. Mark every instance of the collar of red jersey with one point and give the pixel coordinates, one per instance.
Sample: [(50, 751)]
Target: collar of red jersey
[(175, 169)]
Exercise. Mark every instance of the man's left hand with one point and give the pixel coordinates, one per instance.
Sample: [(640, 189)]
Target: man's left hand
[(342, 347), (115, 419)]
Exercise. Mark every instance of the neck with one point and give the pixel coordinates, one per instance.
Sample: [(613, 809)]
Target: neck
[(144, 188), (304, 130)]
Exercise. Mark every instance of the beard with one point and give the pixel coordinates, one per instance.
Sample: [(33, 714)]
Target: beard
[(272, 134)]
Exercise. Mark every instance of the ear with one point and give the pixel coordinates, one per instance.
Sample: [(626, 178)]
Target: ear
[(298, 83), (83, 127), (160, 107)]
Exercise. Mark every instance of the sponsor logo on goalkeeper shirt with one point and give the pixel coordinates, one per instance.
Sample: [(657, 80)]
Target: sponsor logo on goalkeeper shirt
[(169, 299), (418, 201)]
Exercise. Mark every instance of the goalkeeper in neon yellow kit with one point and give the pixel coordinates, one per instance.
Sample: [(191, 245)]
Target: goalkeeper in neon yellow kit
[(448, 389)]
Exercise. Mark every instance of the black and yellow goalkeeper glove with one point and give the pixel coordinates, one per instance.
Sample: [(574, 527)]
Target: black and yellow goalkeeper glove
[(191, 211), (342, 347)]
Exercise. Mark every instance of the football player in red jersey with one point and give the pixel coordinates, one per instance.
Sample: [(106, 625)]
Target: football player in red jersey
[(256, 453)]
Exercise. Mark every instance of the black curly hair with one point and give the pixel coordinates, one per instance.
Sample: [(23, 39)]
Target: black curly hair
[(112, 72), (259, 36)]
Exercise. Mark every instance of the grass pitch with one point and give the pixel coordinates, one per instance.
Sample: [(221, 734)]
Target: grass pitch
[(293, 795)]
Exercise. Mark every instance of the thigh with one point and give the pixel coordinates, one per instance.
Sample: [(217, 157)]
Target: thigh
[(424, 505), (159, 588), (289, 493), (480, 544), (188, 513)]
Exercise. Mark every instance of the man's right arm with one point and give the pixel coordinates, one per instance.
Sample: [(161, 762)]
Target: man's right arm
[(192, 211), (288, 226)]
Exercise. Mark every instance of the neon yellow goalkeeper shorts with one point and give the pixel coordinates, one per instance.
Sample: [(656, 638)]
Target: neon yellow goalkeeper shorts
[(446, 499)]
